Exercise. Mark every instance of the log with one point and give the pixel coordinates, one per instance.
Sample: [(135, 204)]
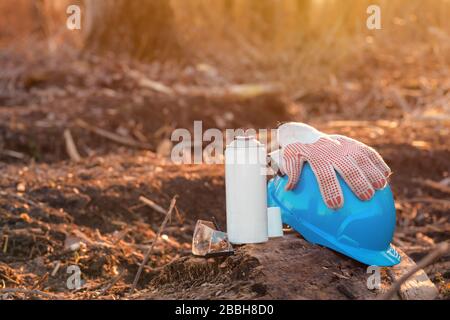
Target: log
[(282, 268)]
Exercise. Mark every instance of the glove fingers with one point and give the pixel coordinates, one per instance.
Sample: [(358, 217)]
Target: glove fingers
[(292, 164), (371, 171), (354, 177), (354, 147), (328, 183), (378, 161)]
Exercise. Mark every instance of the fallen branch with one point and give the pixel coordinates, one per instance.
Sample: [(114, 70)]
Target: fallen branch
[(362, 123), (231, 91), (145, 82), (234, 91), (439, 250), (443, 202), (150, 250), (113, 136), (434, 185), (13, 154), (348, 123), (71, 147)]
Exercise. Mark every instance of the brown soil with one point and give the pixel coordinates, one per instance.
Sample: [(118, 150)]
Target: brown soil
[(48, 203)]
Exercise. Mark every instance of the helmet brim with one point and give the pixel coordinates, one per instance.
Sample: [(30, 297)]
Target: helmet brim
[(384, 258)]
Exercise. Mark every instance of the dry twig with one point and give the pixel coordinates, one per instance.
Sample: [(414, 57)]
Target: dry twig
[(56, 268), (28, 292), (113, 136), (152, 205), (234, 91), (438, 251), (41, 281), (150, 250), (434, 185), (13, 154), (71, 147), (112, 283), (442, 202), (5, 245)]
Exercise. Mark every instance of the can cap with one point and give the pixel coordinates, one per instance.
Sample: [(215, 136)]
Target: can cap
[(245, 142)]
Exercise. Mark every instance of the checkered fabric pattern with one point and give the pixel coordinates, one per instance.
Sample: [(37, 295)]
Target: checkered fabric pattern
[(360, 166)]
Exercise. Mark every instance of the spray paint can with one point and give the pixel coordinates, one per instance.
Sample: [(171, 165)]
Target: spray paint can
[(246, 191)]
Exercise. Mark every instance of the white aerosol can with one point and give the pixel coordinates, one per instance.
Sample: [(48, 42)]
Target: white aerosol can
[(246, 193)]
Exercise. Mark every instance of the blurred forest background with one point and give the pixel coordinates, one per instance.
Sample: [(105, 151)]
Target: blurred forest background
[(86, 118), (299, 42)]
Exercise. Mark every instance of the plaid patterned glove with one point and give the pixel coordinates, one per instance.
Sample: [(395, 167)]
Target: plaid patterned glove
[(360, 166)]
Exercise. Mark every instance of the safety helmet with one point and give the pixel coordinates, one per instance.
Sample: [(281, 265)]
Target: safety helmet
[(362, 230)]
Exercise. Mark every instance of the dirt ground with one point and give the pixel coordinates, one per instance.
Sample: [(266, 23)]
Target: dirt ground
[(55, 212)]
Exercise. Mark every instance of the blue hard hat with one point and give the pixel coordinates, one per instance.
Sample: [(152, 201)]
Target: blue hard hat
[(362, 230)]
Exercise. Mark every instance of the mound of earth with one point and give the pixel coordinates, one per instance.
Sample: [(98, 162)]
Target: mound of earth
[(56, 213)]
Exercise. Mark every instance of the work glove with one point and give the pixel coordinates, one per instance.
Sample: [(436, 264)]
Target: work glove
[(359, 165)]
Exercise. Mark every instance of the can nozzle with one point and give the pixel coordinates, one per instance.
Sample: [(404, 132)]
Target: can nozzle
[(274, 161)]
